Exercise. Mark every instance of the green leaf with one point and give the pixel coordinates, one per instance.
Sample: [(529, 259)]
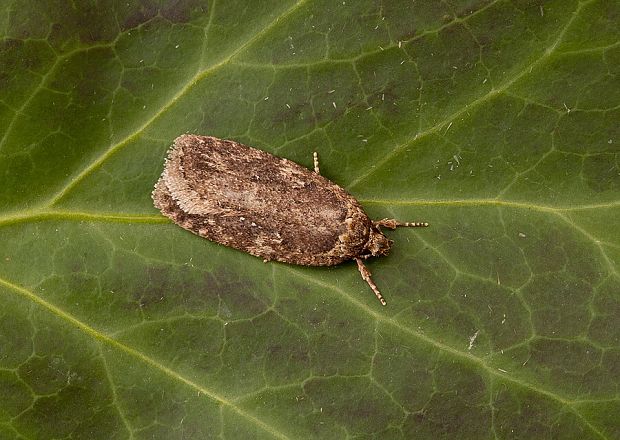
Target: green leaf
[(495, 121)]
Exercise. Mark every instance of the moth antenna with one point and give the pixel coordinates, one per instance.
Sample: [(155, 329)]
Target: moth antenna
[(393, 224), (315, 157), (366, 277)]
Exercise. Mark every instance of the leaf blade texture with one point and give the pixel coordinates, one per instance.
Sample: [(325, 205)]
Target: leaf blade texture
[(495, 121)]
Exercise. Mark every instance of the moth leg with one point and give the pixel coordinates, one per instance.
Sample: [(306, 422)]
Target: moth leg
[(393, 224), (315, 157), (366, 277)]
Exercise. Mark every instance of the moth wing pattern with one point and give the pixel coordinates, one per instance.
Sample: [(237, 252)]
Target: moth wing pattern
[(253, 201)]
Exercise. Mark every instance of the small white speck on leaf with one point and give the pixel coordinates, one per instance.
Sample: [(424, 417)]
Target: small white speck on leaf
[(176, 47), (334, 104), (266, 98), (331, 91), (502, 370), (522, 235), (400, 44), (472, 339), (288, 106)]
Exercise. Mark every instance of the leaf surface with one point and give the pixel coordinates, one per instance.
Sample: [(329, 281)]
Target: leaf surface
[(495, 121)]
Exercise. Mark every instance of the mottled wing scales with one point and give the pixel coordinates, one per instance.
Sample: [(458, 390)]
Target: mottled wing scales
[(248, 199)]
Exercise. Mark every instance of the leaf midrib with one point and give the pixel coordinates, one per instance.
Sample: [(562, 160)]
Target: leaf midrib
[(58, 214), (558, 211)]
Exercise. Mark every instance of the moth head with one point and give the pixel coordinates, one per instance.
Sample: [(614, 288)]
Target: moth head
[(377, 244)]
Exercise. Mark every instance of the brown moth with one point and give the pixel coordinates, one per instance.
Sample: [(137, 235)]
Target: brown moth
[(267, 206)]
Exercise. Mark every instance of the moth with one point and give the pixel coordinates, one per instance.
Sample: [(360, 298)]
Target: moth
[(267, 206)]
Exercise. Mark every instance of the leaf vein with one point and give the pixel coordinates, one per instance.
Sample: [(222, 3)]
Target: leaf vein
[(492, 372), (97, 162), (105, 339), (475, 103)]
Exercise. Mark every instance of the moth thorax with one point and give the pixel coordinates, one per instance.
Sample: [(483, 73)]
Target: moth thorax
[(377, 244)]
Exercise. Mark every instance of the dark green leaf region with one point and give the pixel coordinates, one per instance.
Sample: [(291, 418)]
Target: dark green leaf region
[(496, 121)]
